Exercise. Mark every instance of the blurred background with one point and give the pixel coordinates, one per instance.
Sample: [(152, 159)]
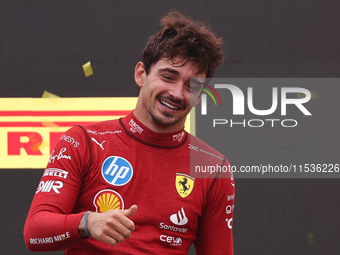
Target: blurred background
[(43, 45)]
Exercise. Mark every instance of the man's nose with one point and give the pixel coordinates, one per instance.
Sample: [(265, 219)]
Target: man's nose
[(177, 91)]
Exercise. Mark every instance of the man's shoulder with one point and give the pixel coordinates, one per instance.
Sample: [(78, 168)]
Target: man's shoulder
[(207, 162), (203, 149), (99, 128), (102, 126)]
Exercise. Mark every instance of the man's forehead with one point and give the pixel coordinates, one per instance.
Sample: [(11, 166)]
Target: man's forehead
[(174, 65)]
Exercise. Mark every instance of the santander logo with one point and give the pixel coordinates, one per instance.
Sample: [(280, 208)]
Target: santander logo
[(179, 218)]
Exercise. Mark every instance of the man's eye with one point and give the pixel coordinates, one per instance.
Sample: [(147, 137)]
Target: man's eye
[(194, 88), (167, 77)]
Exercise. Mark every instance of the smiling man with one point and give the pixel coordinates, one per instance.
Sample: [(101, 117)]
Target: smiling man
[(127, 187), (166, 95)]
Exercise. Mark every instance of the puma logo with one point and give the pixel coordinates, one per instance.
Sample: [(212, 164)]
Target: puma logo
[(100, 144)]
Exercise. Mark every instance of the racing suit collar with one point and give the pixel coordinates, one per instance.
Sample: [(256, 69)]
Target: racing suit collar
[(140, 132)]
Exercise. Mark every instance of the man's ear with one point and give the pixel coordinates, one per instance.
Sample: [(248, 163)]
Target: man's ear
[(140, 74)]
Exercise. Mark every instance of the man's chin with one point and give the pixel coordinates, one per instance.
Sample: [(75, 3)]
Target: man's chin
[(165, 121)]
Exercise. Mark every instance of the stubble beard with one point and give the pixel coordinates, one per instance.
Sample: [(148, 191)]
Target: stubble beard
[(163, 119)]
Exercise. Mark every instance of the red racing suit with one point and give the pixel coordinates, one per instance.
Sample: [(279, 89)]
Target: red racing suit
[(118, 163)]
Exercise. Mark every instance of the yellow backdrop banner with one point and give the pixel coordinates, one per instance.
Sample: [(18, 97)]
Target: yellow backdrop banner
[(30, 127)]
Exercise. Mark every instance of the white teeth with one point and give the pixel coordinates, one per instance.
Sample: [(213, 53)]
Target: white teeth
[(168, 105)]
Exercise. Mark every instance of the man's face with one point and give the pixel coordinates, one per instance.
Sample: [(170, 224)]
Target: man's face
[(166, 95)]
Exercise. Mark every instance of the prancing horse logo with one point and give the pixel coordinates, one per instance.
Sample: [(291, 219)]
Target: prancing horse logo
[(184, 184)]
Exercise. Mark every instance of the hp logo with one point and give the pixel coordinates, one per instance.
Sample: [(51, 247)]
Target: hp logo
[(117, 170)]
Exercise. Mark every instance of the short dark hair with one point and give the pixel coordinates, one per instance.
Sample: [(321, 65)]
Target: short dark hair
[(187, 39)]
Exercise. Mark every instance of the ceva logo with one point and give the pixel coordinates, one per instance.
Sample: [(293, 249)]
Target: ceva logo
[(173, 241)]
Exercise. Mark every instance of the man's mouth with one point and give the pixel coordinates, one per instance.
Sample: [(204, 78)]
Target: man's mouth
[(169, 105)]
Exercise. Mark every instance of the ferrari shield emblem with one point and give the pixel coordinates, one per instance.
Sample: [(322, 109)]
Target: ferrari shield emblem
[(184, 184)]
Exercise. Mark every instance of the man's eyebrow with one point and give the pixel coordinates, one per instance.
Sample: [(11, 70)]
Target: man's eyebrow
[(169, 70)]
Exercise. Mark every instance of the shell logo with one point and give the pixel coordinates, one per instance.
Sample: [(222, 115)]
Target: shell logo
[(108, 199)]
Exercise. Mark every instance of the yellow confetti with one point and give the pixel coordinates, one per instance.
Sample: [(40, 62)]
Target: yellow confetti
[(87, 69), (310, 238), (62, 237), (35, 141), (44, 144), (50, 96), (51, 125), (314, 95)]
